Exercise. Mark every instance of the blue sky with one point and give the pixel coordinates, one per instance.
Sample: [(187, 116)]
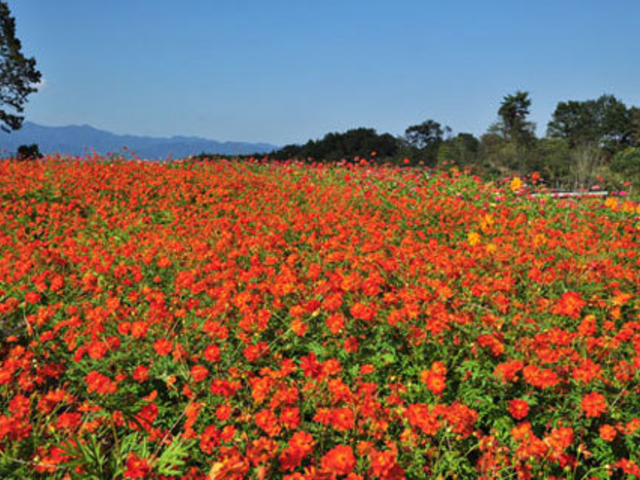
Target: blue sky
[(283, 71)]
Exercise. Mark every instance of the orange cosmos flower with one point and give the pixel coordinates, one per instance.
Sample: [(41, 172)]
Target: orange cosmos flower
[(435, 377), (212, 353), (594, 405), (163, 347), (335, 323), (268, 422), (629, 467), (300, 446), (98, 383), (339, 460), (199, 373), (516, 184), (209, 439), (570, 304), (518, 409), (384, 465), (608, 432), (420, 416), (137, 467)]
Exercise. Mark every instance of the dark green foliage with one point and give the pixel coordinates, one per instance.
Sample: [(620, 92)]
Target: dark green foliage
[(615, 123), (627, 162), (605, 122), (18, 74), (552, 160), (29, 152), (574, 122), (359, 142), (461, 149), (634, 120), (513, 113), (426, 138)]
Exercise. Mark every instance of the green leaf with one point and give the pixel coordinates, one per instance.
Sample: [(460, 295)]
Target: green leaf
[(172, 458)]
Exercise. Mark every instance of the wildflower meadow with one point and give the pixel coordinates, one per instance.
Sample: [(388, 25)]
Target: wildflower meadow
[(264, 320)]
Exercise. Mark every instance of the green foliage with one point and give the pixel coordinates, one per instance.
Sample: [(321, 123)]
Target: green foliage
[(18, 74), (627, 161), (89, 456), (97, 459), (634, 133), (513, 113), (359, 142), (605, 122), (172, 459), (462, 149), (426, 139), (575, 122), (498, 155), (627, 164), (552, 160), (29, 152)]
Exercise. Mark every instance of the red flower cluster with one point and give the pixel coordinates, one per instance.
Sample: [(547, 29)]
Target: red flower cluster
[(435, 377), (245, 319)]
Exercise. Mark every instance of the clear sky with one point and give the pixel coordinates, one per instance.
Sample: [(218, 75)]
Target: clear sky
[(284, 71)]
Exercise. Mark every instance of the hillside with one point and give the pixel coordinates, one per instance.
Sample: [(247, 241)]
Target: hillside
[(81, 139)]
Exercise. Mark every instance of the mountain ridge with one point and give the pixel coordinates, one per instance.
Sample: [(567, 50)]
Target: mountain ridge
[(83, 139)]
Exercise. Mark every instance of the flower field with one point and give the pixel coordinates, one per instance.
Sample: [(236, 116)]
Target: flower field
[(245, 320)]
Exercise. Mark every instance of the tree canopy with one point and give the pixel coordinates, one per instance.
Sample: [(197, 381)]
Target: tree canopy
[(605, 122), (426, 137), (513, 113), (357, 142), (18, 74)]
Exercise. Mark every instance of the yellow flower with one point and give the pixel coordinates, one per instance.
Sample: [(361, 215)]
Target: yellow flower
[(628, 207), (516, 184), (539, 239), (473, 238), (611, 202), (486, 223)]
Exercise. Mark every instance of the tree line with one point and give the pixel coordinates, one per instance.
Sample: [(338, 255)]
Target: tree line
[(586, 142)]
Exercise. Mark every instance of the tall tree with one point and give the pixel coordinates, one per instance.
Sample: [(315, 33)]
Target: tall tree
[(427, 137), (634, 113), (18, 74), (516, 130), (575, 122), (605, 123), (513, 113), (614, 119), (463, 149)]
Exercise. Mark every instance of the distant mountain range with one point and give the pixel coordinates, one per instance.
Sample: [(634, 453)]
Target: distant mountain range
[(83, 139)]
